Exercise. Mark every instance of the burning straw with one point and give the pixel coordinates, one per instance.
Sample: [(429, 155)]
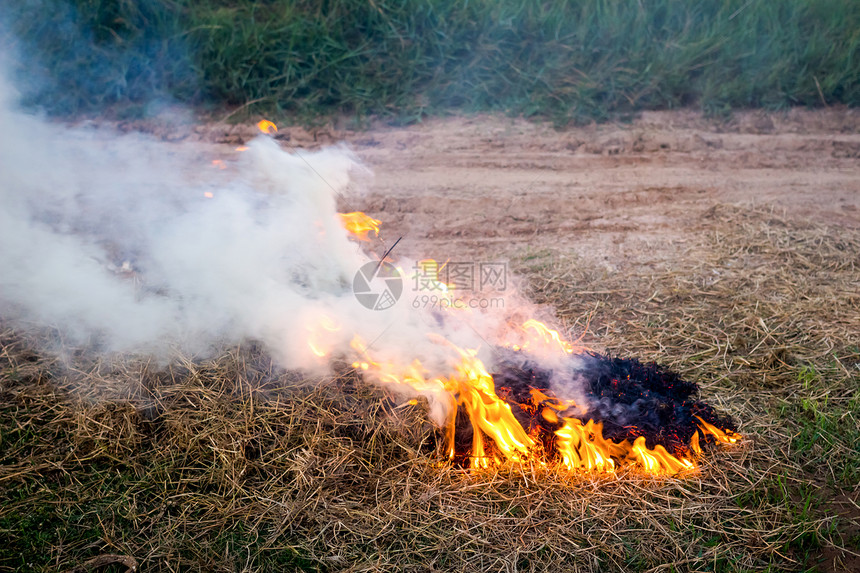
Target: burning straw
[(278, 454), (210, 463), (131, 245)]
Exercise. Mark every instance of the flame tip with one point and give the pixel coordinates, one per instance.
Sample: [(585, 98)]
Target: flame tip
[(360, 224), (267, 126)]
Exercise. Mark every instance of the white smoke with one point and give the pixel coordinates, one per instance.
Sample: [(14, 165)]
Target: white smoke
[(117, 237), (128, 244), (125, 243)]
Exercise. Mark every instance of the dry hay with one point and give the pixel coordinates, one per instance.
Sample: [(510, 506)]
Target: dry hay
[(234, 465)]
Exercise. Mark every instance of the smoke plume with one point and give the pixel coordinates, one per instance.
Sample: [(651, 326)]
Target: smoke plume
[(127, 244)]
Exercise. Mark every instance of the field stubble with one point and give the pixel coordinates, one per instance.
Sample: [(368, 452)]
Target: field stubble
[(234, 464)]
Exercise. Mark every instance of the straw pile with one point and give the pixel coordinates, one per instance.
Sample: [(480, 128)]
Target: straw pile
[(234, 465)]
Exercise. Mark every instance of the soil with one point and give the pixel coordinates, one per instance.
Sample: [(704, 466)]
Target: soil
[(479, 187), (629, 194)]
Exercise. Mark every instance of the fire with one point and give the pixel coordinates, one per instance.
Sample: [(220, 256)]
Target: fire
[(694, 444), (556, 430), (474, 390), (471, 387), (542, 332), (658, 461), (582, 446), (727, 437), (360, 224), (267, 126), (539, 335), (497, 435), (318, 336)]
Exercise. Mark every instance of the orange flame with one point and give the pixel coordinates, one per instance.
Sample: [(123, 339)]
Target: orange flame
[(267, 126), (538, 331), (658, 461), (359, 224), (727, 437), (428, 272), (539, 334), (694, 444), (488, 413), (583, 446), (317, 336), (497, 434)]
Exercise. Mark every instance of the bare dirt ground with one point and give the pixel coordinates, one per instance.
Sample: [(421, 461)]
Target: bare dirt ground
[(491, 186), (629, 193)]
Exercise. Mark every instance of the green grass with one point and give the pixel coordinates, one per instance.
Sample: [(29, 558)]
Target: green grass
[(567, 61), (829, 430)]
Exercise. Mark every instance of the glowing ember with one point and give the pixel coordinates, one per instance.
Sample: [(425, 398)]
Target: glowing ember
[(267, 126), (359, 224)]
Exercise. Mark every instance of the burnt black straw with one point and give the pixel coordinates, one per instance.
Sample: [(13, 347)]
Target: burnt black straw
[(628, 397)]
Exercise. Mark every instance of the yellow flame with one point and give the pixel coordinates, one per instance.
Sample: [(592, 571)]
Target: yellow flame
[(658, 461), (582, 446), (549, 415), (540, 332), (496, 433), (359, 224), (727, 437), (427, 273), (267, 126), (325, 323), (316, 350), (694, 444), (541, 398), (488, 413)]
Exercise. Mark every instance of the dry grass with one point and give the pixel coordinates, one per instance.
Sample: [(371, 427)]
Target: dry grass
[(234, 465)]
